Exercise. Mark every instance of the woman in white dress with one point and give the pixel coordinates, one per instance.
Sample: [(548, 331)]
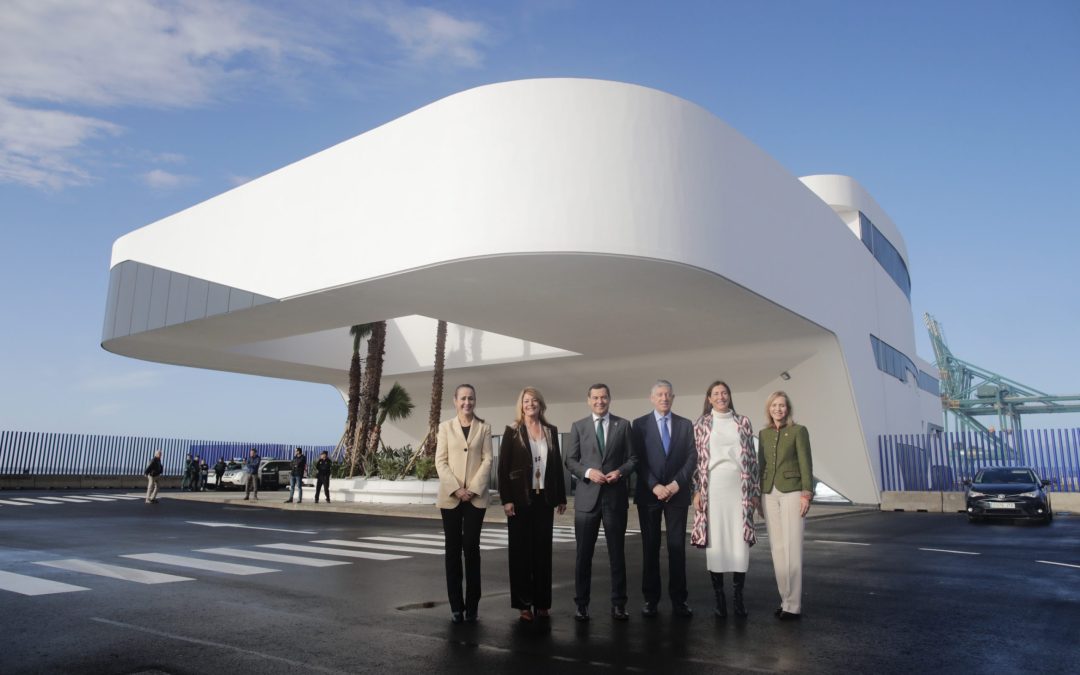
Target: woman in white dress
[(726, 493)]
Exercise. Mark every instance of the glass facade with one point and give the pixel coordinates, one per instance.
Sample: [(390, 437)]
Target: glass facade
[(894, 362), (885, 253)]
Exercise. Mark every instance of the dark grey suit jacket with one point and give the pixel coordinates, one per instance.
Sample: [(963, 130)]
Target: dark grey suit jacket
[(583, 452), (654, 467)]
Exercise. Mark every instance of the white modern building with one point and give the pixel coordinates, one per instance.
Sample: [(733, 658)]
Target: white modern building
[(571, 231)]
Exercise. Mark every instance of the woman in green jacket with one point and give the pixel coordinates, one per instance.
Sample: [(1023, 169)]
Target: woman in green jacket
[(787, 486)]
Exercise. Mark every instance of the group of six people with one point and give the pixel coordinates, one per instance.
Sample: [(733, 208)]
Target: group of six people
[(710, 463)]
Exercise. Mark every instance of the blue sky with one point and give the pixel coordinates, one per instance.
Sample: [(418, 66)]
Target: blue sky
[(959, 117)]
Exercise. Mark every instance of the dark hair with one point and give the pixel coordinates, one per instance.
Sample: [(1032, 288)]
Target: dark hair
[(598, 385), (708, 405), (466, 385)]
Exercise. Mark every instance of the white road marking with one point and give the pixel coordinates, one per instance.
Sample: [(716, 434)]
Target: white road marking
[(35, 500), (113, 571), (379, 547), (370, 555), (1051, 562), (945, 550), (846, 543), (116, 496), (298, 665), (200, 563), (251, 527), (78, 500), (97, 499), (431, 542), (10, 502), (24, 585), (274, 557)]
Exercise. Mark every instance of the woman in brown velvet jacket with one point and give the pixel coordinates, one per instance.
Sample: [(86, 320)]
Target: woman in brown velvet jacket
[(532, 489)]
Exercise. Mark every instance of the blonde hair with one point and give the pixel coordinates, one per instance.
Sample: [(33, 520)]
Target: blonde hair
[(789, 419), (519, 413)]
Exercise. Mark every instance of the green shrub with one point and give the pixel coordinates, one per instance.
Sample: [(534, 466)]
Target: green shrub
[(390, 463), (425, 467)]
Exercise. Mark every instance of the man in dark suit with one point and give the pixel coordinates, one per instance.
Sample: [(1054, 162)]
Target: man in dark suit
[(600, 453), (664, 444)]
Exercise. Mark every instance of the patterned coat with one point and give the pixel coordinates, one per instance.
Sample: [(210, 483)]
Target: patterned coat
[(751, 489)]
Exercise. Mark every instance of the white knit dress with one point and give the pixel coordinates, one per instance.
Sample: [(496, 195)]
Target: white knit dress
[(727, 551)]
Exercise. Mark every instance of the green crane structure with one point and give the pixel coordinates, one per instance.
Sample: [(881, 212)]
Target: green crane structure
[(969, 392)]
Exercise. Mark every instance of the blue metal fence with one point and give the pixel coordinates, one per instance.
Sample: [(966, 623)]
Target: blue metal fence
[(38, 453), (942, 461)]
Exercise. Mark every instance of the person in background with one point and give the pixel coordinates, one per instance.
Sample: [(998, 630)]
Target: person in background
[(787, 487), (153, 473), (463, 459), (323, 469), (204, 474), (219, 471), (532, 488), (296, 476), (251, 474), (185, 482)]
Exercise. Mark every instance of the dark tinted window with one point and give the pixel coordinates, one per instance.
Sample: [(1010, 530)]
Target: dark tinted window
[(1005, 476), (885, 253)]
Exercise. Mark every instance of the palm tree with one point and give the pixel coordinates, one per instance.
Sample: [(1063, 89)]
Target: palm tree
[(358, 332), (427, 446), (396, 405), (369, 394)]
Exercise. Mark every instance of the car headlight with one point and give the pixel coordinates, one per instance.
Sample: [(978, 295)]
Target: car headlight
[(975, 493), (1031, 494)]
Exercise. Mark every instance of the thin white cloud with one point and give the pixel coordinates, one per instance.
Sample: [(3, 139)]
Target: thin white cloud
[(137, 379), (159, 179), (429, 35), (106, 54), (236, 181)]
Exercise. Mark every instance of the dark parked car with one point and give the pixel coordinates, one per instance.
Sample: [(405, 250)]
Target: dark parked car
[(274, 474), (1008, 492)]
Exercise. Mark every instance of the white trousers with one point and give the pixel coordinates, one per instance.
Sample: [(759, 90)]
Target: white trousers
[(786, 543), (151, 488)]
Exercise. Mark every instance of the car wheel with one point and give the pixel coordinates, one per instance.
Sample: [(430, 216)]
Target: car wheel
[(974, 520)]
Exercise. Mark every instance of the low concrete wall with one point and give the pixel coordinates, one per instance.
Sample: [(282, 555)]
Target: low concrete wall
[(379, 491), (82, 482), (953, 502)]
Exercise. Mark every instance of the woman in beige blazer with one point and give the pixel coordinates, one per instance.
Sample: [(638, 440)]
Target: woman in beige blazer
[(463, 460)]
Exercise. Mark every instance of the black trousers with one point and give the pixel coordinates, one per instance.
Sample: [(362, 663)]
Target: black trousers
[(611, 510), (461, 529), (649, 518), (530, 534), (324, 483)]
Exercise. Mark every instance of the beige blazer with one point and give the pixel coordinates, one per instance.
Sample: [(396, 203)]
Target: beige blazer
[(459, 468)]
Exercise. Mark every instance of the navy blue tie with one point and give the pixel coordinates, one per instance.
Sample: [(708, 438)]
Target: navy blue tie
[(665, 436)]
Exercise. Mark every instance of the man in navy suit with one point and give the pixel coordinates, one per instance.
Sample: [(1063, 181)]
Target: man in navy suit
[(664, 444), (600, 452)]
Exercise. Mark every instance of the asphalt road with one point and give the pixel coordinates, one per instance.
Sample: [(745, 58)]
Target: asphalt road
[(883, 593)]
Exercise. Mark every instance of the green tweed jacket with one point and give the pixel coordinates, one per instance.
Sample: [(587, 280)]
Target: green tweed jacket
[(784, 459)]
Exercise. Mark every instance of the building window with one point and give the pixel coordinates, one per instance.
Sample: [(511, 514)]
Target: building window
[(894, 362), (885, 253)]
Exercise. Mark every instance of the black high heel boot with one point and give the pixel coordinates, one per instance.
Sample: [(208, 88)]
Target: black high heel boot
[(718, 590), (737, 584)]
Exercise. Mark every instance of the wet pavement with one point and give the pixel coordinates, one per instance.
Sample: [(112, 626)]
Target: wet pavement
[(195, 586)]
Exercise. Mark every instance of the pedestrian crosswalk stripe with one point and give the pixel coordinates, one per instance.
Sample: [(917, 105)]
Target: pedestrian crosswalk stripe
[(347, 553), (431, 542), (25, 585), (199, 563), (96, 498), (274, 557), (113, 571), (379, 547), (78, 500), (36, 500), (116, 496), (10, 502)]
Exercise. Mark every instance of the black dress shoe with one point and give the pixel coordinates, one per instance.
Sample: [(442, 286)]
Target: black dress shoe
[(471, 616), (649, 609), (682, 609), (618, 612), (456, 617), (788, 616), (582, 613), (778, 611)]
